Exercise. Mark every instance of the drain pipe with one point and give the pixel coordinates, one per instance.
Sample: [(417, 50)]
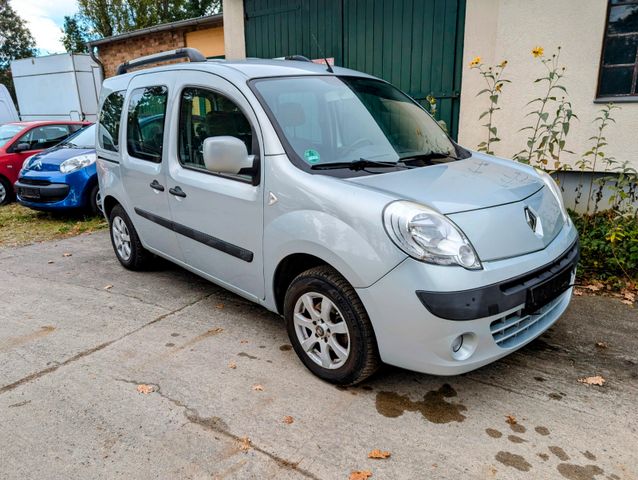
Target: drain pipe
[(95, 58)]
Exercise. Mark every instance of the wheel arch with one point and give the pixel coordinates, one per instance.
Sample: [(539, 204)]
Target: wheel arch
[(109, 202)]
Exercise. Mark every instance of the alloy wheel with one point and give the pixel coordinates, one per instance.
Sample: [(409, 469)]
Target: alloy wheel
[(321, 330), (121, 238), (3, 193)]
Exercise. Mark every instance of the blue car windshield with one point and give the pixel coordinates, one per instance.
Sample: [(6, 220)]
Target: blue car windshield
[(8, 131), (85, 138), (327, 119)]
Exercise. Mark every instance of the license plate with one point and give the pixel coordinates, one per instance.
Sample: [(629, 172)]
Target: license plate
[(542, 294), (26, 192)]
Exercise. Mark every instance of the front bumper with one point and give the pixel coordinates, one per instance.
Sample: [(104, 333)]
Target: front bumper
[(54, 191), (410, 336)]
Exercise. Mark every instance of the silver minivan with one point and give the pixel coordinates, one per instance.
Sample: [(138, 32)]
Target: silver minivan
[(335, 200)]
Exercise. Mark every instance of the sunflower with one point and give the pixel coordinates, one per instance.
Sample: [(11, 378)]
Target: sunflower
[(538, 52), (475, 62)]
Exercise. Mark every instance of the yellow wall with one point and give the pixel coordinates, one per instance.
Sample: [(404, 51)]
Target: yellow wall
[(209, 41), (499, 30)]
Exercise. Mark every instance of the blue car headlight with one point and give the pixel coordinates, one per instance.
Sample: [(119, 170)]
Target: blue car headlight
[(76, 163), (25, 164)]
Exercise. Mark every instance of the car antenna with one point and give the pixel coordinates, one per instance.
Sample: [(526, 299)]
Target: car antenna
[(322, 54)]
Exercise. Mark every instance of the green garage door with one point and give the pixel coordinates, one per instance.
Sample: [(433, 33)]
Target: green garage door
[(414, 44)]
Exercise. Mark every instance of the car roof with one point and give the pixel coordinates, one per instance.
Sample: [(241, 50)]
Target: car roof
[(248, 69), (37, 123)]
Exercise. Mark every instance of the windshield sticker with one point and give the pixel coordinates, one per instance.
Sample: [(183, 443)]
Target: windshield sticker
[(311, 156)]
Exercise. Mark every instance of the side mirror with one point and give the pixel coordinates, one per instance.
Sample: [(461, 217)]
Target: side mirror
[(22, 147), (226, 154)]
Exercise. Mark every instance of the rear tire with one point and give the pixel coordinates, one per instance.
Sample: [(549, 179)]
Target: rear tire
[(329, 328), (6, 191), (94, 201), (126, 243)]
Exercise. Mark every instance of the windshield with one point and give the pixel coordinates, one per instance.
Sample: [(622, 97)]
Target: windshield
[(7, 132), (85, 138), (327, 119)]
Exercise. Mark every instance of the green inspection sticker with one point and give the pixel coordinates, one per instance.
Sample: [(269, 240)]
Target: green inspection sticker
[(311, 156)]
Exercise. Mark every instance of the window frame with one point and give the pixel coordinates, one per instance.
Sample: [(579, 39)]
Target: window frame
[(128, 109), (256, 146), (99, 144), (624, 97)]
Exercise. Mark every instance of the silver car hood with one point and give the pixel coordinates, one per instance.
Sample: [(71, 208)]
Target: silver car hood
[(471, 184), (486, 197)]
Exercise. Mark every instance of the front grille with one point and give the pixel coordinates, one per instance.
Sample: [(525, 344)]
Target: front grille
[(31, 181), (516, 328)]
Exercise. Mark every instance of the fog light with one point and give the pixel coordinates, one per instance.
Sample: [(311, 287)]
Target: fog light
[(457, 343), (463, 346)]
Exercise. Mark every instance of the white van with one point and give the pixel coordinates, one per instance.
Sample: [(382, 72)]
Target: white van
[(8, 112)]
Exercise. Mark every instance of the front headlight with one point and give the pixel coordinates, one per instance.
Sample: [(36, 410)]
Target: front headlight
[(26, 162), (555, 189), (428, 236), (76, 163)]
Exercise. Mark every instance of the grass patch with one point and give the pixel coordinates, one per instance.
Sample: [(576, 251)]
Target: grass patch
[(22, 226)]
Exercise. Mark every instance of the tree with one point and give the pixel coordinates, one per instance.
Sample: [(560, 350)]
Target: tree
[(15, 42), (111, 17), (75, 35)]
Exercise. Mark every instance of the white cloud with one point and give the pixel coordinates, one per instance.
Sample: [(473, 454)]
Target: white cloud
[(45, 19)]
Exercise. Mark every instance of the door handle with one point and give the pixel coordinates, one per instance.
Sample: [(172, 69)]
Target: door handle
[(155, 185), (177, 191)]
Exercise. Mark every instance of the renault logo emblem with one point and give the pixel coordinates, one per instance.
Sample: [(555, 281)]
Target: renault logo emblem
[(533, 221)]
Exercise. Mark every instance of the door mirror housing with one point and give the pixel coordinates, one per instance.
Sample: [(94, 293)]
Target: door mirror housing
[(225, 154), (22, 147)]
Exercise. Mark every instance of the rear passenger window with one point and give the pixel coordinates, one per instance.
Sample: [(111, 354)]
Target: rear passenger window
[(145, 124), (204, 114), (110, 115)]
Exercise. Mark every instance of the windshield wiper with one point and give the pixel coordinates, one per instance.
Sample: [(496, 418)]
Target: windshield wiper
[(429, 156), (360, 164)]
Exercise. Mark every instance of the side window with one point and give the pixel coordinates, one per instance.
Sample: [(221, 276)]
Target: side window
[(110, 115), (45, 137), (145, 123), (204, 114)]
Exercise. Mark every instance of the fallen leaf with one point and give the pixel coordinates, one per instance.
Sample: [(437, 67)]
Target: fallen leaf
[(108, 287), (594, 287), (627, 302), (50, 262), (288, 419), (244, 444), (219, 306), (602, 344), (379, 454), (232, 365), (243, 341), (67, 254), (145, 389), (595, 380), (511, 419), (578, 293), (258, 388), (360, 474)]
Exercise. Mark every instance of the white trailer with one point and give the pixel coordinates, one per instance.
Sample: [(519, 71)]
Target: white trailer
[(57, 87)]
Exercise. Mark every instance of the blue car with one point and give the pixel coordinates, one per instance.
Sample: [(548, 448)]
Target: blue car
[(63, 177)]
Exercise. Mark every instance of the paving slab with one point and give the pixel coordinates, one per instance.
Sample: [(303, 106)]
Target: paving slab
[(224, 380)]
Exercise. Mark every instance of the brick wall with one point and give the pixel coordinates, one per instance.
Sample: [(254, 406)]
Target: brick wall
[(112, 54)]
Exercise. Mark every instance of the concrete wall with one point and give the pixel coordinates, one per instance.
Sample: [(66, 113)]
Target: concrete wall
[(499, 30), (234, 39)]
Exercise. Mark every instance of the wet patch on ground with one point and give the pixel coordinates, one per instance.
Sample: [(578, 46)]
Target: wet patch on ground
[(433, 407), (516, 439), (492, 432), (559, 452), (577, 472), (512, 460), (544, 431), (247, 355), (285, 347)]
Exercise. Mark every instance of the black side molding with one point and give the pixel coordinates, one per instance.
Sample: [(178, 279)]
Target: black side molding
[(201, 237), (498, 297)]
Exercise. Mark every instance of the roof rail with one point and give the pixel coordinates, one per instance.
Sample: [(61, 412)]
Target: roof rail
[(299, 58), (192, 54)]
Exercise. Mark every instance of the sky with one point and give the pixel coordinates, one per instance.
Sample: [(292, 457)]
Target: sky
[(45, 19)]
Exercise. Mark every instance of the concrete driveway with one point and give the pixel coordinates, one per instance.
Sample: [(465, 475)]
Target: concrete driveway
[(78, 334)]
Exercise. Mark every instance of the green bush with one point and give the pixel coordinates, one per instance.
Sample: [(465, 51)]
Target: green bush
[(609, 249)]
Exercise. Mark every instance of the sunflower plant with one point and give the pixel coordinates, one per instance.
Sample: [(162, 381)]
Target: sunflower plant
[(493, 76)]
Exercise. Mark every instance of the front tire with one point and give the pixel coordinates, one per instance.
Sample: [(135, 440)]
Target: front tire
[(6, 191), (329, 328), (126, 243), (94, 201)]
